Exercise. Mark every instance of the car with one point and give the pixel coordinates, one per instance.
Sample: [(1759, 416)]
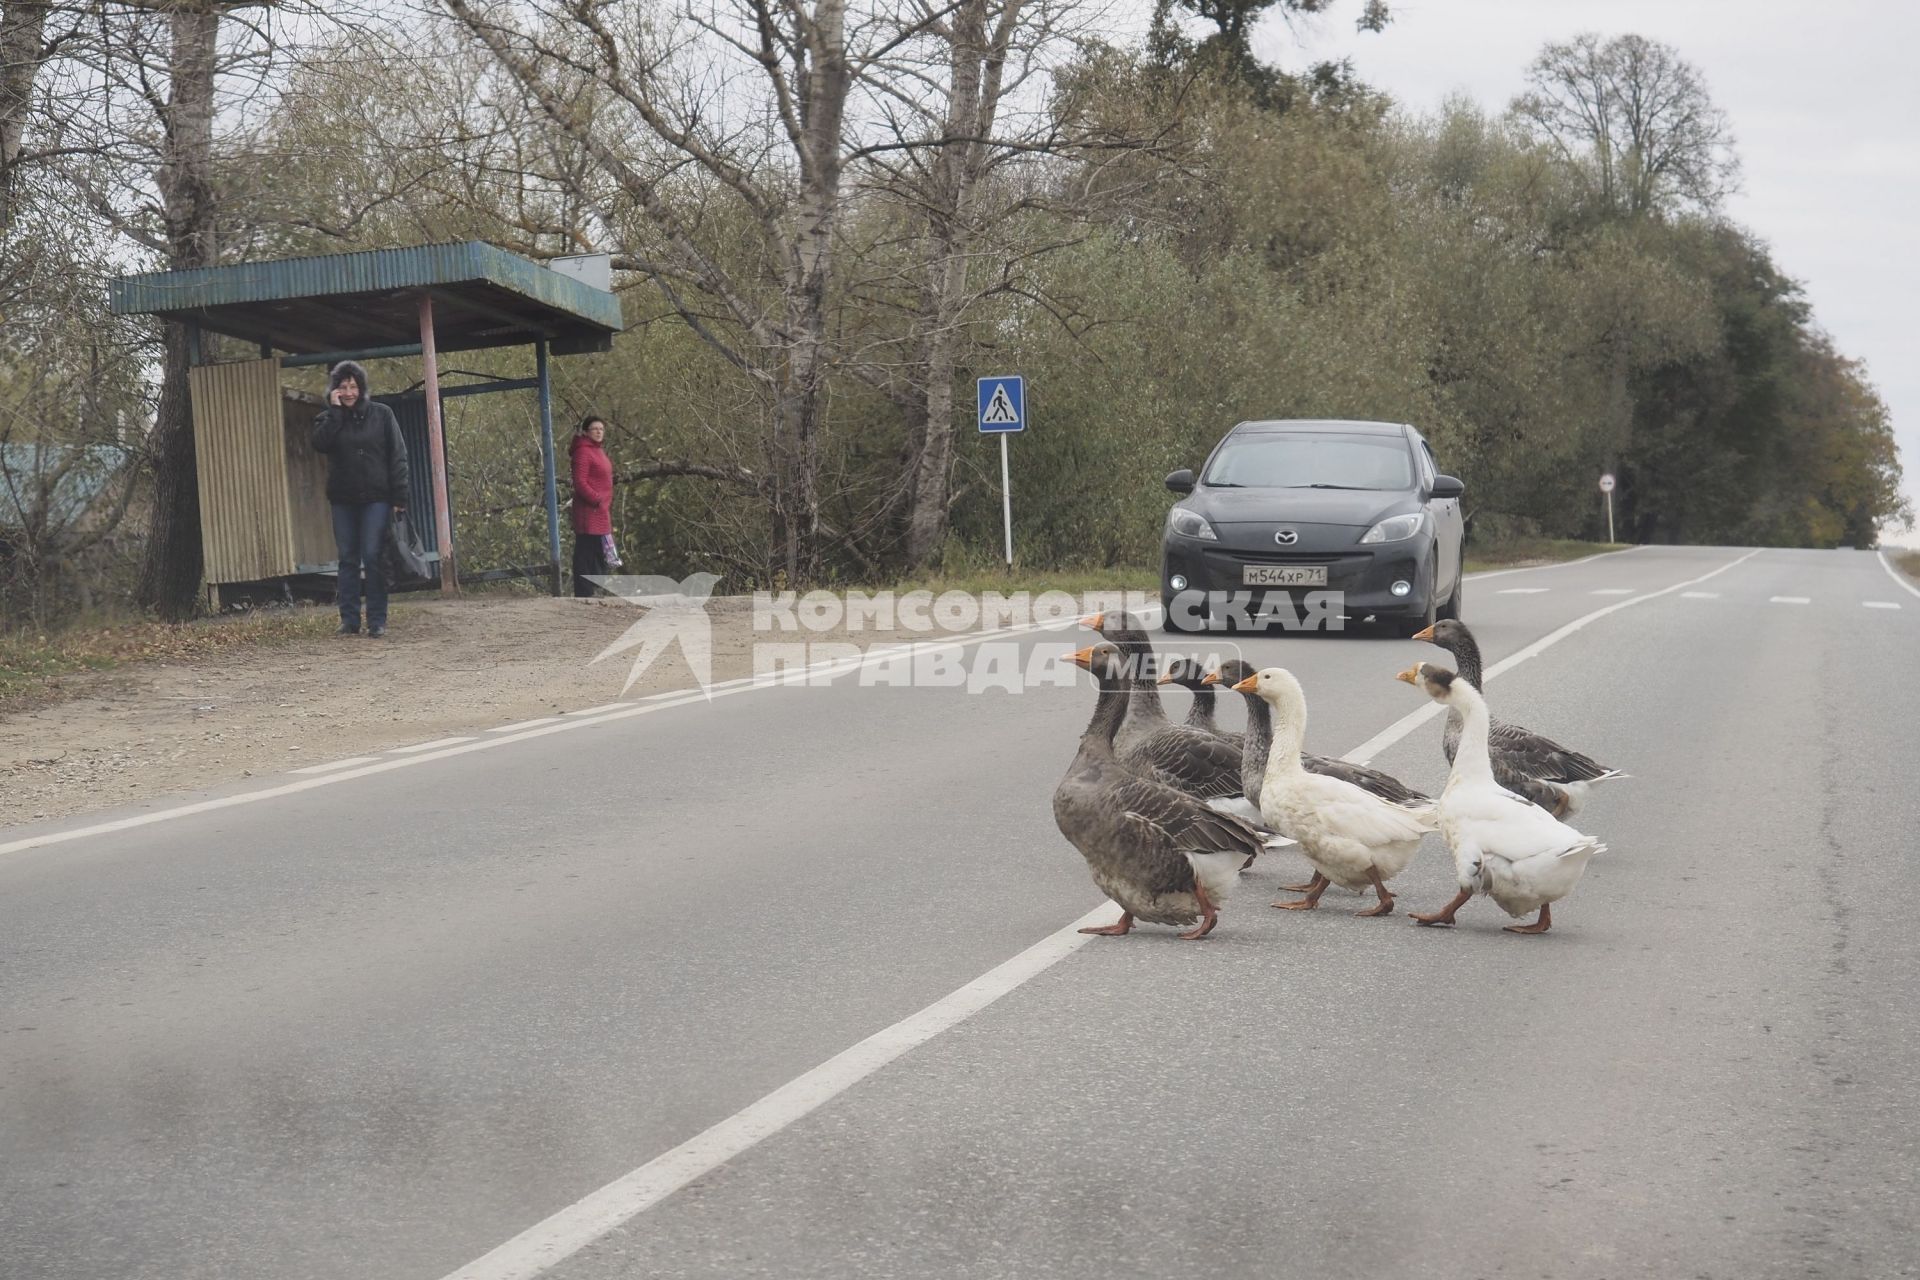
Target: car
[(1287, 511)]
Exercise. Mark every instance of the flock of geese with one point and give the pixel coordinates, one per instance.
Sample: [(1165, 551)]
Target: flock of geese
[(1169, 814)]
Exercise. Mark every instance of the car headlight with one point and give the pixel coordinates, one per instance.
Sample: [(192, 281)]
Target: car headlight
[(1191, 524), (1396, 528)]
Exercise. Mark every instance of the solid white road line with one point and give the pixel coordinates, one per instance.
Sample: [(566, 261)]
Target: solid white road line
[(420, 755), (1558, 564), (335, 764), (1522, 591), (1788, 600), (524, 724), (435, 745), (1699, 595), (1881, 604), (1614, 591), (1898, 577), (548, 1243)]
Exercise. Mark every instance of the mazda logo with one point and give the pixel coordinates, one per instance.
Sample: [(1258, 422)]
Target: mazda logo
[(1286, 537)]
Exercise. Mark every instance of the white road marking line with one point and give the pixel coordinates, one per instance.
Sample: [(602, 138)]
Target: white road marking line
[(525, 724), (574, 720), (1414, 719), (594, 711), (1522, 591), (549, 1242), (1896, 575), (1699, 595), (1558, 564), (435, 745), (1881, 604), (1788, 600), (1614, 591), (336, 764)]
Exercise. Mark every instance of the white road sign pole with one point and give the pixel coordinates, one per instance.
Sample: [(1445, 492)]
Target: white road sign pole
[(1006, 498), (1606, 487)]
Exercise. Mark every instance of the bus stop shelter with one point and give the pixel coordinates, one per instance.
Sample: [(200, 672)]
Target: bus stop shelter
[(263, 512)]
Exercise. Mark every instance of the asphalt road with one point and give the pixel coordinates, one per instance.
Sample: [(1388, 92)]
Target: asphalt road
[(378, 1027)]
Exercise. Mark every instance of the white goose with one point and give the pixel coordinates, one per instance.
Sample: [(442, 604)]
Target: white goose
[(1352, 837), (1503, 845)]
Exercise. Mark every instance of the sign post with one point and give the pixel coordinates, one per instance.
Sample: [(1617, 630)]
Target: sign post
[(1002, 404), (1606, 487)]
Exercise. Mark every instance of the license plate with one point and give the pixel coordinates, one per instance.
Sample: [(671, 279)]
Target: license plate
[(1283, 575)]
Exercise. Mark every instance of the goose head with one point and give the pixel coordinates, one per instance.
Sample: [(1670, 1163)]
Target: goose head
[(1439, 683), (1445, 633), (1104, 660), (1277, 687), (1185, 672), (1230, 673)]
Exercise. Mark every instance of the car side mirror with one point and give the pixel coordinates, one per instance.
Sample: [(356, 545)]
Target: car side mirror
[(1443, 487), (1181, 481)]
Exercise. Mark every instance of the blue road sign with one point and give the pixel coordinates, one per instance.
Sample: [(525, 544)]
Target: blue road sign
[(1003, 404)]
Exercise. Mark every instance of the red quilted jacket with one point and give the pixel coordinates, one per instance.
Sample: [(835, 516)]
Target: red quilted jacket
[(592, 487)]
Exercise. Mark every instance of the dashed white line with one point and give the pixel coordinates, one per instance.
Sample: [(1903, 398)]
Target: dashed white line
[(1788, 600), (335, 764), (1699, 595), (1614, 591), (429, 746), (1523, 591), (1881, 604)]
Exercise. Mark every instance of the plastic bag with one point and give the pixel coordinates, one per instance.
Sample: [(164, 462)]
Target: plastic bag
[(405, 559)]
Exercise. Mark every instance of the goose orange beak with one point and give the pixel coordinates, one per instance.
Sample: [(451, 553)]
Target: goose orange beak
[(1082, 657), (1425, 633), (1412, 674), (1213, 677), (1093, 620), (1248, 685), (1165, 679)]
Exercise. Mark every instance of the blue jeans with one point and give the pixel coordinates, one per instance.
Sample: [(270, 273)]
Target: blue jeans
[(360, 533)]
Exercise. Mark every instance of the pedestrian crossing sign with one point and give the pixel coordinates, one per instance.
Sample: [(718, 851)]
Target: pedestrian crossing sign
[(1003, 404)]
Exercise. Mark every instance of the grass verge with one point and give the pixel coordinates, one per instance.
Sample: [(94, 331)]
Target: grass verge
[(1909, 562), (32, 665)]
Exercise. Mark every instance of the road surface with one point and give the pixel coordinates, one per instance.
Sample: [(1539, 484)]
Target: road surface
[(390, 1023)]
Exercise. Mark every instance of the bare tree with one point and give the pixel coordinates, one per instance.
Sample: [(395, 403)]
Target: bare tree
[(1635, 117)]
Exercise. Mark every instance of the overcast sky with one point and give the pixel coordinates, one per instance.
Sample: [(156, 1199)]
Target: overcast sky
[(1825, 105)]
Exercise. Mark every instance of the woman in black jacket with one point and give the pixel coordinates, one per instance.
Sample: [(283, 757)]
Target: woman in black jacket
[(367, 485)]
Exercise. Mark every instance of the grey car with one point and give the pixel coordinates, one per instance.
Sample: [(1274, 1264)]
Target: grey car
[(1288, 516)]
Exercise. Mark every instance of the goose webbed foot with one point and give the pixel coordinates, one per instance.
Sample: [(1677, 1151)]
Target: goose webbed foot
[(1385, 905), (1445, 914), (1209, 916), (1544, 923), (1118, 929), (1318, 882)]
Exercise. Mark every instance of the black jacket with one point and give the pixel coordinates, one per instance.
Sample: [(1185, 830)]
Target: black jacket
[(366, 455)]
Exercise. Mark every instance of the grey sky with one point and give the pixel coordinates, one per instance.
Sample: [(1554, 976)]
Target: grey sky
[(1823, 101)]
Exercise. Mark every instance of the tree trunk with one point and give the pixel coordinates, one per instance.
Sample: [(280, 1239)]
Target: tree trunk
[(22, 27), (955, 172), (170, 575)]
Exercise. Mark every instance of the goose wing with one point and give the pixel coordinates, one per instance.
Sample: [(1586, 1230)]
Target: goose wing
[(1363, 816), (1384, 785), (1538, 756), (1161, 817), (1198, 762)]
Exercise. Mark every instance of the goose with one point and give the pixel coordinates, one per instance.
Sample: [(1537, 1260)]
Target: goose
[(1203, 764), (1259, 740), (1353, 838), (1162, 855), (1530, 764), (1513, 851), (1192, 676)]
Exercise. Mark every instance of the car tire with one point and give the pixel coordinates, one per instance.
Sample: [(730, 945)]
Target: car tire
[(1451, 609)]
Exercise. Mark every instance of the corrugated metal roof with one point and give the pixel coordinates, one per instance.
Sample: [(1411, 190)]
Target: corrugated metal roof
[(483, 296)]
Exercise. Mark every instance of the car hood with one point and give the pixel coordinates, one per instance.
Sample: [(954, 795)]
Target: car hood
[(1355, 508)]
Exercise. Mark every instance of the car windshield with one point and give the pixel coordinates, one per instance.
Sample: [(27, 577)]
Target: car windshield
[(1312, 460)]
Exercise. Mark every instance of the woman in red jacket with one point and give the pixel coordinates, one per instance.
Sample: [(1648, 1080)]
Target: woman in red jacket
[(592, 504)]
